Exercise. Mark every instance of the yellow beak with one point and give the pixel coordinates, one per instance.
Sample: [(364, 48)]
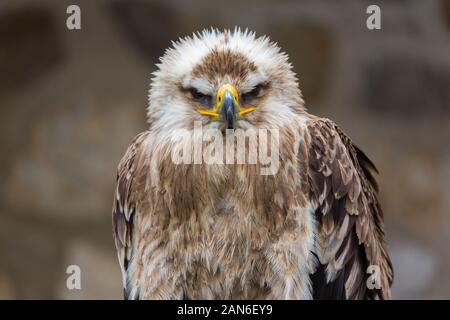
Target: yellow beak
[(228, 107)]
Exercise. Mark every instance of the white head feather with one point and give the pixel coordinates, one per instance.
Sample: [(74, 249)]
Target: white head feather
[(168, 108)]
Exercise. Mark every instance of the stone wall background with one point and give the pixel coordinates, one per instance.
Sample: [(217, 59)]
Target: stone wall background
[(71, 101)]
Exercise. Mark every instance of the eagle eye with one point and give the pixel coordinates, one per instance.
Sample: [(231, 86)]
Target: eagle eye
[(203, 99), (254, 93)]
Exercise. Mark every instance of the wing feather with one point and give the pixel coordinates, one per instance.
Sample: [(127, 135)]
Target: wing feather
[(350, 220), (129, 176)]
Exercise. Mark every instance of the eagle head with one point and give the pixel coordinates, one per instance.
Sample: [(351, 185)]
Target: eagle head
[(226, 80)]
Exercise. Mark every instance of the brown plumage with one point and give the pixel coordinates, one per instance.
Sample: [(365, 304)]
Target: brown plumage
[(224, 231)]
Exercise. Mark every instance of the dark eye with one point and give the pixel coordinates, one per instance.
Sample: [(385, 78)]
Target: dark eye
[(199, 97), (249, 96), (196, 95)]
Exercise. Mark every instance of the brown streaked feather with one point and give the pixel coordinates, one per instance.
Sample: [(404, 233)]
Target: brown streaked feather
[(123, 207), (350, 219), (220, 63)]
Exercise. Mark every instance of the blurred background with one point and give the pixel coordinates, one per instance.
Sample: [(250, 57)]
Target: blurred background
[(71, 101)]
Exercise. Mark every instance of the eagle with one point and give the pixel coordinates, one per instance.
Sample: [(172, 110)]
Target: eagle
[(312, 229)]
